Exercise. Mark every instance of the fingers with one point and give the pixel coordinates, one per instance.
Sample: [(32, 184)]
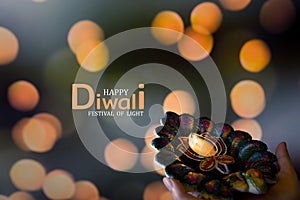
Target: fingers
[(288, 184), (168, 183), (177, 190), (284, 160)]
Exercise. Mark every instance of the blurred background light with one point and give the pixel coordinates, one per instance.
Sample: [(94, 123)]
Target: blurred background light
[(85, 190), (39, 135), (27, 174), (248, 99), (276, 16), (84, 50), (84, 39), (84, 31), (23, 95), (195, 46), (59, 184), (206, 18), (154, 191), (46, 43), (9, 46), (21, 196), (234, 5), (167, 20), (17, 134), (147, 158), (92, 56), (179, 101), (255, 55), (251, 126), (53, 120), (121, 154)]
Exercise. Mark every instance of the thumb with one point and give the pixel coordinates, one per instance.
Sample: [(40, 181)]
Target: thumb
[(177, 190), (283, 158)]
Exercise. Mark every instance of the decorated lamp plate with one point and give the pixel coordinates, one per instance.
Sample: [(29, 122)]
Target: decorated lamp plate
[(213, 159)]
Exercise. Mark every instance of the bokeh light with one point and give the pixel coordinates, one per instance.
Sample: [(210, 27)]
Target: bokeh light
[(276, 16), (20, 195), (84, 50), (147, 158), (154, 191), (27, 174), (85, 190), (17, 134), (255, 55), (62, 172), (206, 18), (121, 154), (39, 135), (248, 99), (3, 197), (93, 56), (171, 27), (179, 101), (195, 46), (53, 120), (59, 185), (82, 32), (85, 40), (234, 5), (249, 125), (9, 46), (23, 95)]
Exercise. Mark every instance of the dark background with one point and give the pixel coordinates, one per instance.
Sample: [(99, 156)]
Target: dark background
[(45, 59)]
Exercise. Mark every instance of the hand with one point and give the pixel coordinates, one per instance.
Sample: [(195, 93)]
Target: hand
[(287, 186), (177, 190)]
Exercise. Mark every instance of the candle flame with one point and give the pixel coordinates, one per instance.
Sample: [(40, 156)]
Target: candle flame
[(201, 145)]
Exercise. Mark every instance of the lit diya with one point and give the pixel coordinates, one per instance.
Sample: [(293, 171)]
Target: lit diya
[(213, 159)]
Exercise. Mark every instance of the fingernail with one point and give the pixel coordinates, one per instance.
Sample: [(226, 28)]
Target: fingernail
[(284, 144), (168, 183)]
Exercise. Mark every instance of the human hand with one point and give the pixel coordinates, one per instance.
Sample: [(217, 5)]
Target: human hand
[(177, 190), (287, 186)]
